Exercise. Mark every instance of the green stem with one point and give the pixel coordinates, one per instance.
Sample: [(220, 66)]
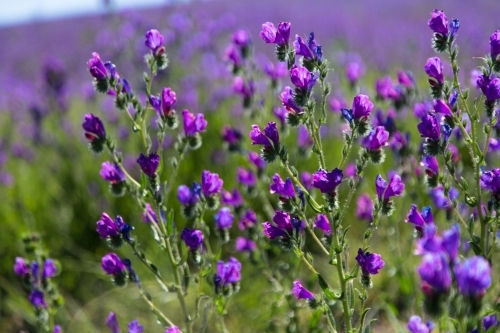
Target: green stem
[(342, 280), (304, 259), (349, 147), (155, 309), (173, 175)]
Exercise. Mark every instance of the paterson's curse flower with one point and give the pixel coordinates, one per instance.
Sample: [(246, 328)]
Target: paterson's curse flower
[(111, 172), (111, 264), (364, 207), (96, 67), (495, 45), (193, 238), (310, 51), (419, 219), (37, 298), (435, 273), (154, 40), (282, 188), (228, 273), (93, 127), (438, 22), (321, 222), (416, 325), (300, 292), (270, 133), (434, 68), (370, 263), (224, 218), (473, 276), (246, 177), (490, 87), (285, 226), (326, 181), (21, 267), (394, 189), (302, 79), (164, 104), (429, 127), (211, 184), (149, 164), (288, 101), (272, 35), (243, 244), (193, 123), (377, 139)]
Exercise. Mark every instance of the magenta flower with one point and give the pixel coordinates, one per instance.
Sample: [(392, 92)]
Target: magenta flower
[(495, 44), (376, 139), (224, 218), (246, 177), (321, 222), (93, 127), (37, 298), (163, 105), (489, 87), (193, 238), (283, 226), (429, 127), (440, 106), (243, 244), (300, 292), (434, 68), (270, 133), (326, 181), (210, 183), (149, 164), (370, 263), (302, 78), (282, 188), (232, 198), (473, 276), (21, 267), (288, 101), (438, 22), (229, 272), (361, 107), (394, 189), (272, 35), (435, 272), (96, 67), (111, 172), (111, 264), (193, 123), (248, 220), (364, 207), (154, 40)]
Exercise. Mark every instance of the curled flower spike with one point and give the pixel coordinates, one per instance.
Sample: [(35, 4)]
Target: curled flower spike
[(300, 292)]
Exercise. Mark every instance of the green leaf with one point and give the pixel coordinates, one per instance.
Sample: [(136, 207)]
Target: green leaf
[(362, 322), (330, 295), (368, 327), (476, 248)]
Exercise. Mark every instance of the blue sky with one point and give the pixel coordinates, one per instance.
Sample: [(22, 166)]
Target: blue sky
[(16, 12)]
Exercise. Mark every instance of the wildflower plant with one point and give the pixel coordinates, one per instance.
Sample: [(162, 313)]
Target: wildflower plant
[(281, 216)]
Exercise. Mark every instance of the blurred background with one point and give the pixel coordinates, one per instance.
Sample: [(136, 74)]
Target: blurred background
[(49, 180)]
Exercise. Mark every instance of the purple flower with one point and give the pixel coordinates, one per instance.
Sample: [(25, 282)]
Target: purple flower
[(431, 165), (421, 109), (193, 123), (111, 264), (306, 180), (337, 104), (277, 71), (364, 207), (310, 50), (489, 87), (415, 325), (248, 220), (184, 195), (438, 22), (154, 40), (244, 89), (376, 139), (495, 44), (57, 329), (361, 107), (419, 219), (258, 138), (440, 199), (37, 298), (370, 263), (435, 272), (272, 35), (321, 222), (149, 215), (106, 227), (168, 99), (283, 226), (49, 268), (304, 140), (451, 241), (429, 127), (173, 329), (434, 68), (454, 26), (394, 189), (96, 67), (326, 181), (405, 79), (93, 127), (490, 321), (149, 164), (232, 198), (135, 327), (193, 238), (283, 188), (302, 78), (272, 133), (244, 244), (111, 172), (210, 183), (231, 135), (241, 38), (229, 272), (288, 101), (112, 323), (224, 218), (21, 267), (246, 177), (473, 276), (441, 107), (300, 292), (353, 71), (233, 54), (256, 160), (385, 89)]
